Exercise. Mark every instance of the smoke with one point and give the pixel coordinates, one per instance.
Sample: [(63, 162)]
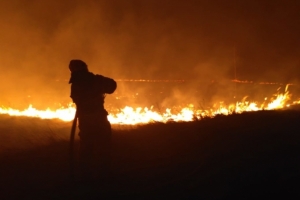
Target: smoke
[(198, 41)]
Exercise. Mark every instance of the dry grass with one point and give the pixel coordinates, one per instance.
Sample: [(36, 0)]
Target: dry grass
[(239, 156)]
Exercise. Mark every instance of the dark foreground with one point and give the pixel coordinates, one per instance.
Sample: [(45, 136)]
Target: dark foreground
[(247, 156)]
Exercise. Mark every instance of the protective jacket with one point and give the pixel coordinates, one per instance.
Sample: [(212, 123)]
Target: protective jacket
[(88, 92)]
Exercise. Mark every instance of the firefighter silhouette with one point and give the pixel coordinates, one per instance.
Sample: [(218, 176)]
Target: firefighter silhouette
[(88, 92)]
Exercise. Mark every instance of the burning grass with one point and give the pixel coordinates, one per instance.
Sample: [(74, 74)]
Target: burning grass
[(236, 156), (143, 115)]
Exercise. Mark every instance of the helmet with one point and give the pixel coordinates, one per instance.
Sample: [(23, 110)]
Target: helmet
[(77, 65)]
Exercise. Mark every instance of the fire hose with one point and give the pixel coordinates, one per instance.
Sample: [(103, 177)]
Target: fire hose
[(71, 149)]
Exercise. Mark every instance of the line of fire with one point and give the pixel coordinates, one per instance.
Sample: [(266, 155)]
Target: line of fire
[(140, 101)]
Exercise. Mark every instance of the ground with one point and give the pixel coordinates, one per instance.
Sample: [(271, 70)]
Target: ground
[(241, 156)]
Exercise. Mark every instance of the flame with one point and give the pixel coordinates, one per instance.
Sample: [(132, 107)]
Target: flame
[(130, 115), (65, 114)]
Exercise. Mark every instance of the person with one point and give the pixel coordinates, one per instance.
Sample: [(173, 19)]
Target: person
[(88, 92)]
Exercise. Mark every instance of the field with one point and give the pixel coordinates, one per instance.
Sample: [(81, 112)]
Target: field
[(241, 156)]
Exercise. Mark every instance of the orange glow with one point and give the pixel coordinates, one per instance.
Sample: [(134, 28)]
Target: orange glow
[(130, 115)]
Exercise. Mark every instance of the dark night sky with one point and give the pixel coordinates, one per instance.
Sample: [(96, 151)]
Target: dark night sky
[(150, 39)]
